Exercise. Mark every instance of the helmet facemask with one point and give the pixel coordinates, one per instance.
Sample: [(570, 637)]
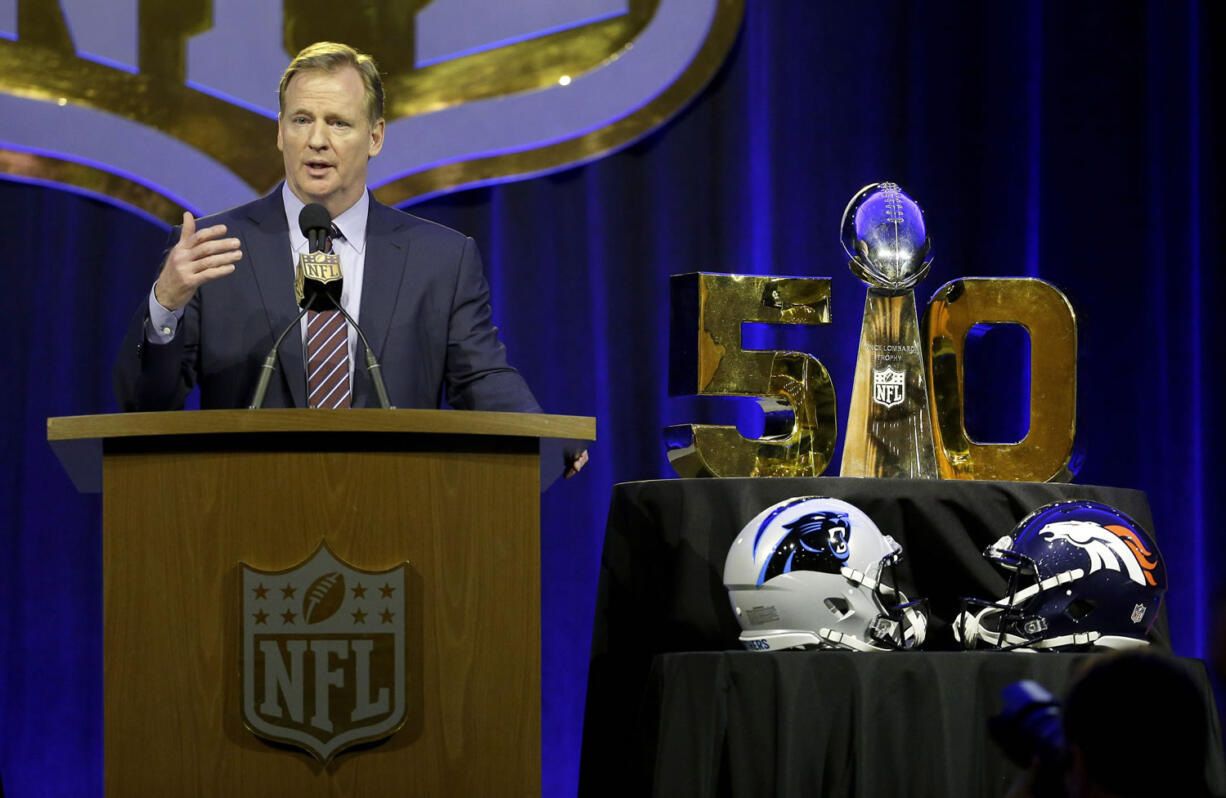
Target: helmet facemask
[(1008, 623)]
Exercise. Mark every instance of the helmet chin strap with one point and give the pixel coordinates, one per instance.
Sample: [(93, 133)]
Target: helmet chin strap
[(969, 629)]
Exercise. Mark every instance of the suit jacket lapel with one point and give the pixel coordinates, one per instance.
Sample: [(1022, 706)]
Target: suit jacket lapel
[(268, 253), (384, 273)]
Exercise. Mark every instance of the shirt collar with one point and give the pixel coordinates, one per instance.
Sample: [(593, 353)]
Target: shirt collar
[(351, 223)]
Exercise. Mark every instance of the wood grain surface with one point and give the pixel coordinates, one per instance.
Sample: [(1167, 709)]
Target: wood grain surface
[(179, 516), (210, 422)]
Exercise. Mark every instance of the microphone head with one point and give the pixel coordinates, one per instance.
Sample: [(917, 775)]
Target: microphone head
[(319, 273), (314, 218)]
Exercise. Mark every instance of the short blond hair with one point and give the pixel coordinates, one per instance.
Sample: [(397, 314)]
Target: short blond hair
[(330, 57)]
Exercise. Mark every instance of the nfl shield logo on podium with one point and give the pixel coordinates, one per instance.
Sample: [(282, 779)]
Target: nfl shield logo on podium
[(323, 653)]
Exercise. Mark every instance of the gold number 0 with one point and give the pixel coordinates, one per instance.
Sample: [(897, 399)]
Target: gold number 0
[(1044, 454), (793, 388)]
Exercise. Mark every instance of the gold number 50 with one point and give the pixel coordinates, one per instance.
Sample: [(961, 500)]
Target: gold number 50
[(795, 391)]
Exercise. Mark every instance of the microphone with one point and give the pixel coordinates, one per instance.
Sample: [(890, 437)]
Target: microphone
[(319, 272), (315, 223), (317, 283)]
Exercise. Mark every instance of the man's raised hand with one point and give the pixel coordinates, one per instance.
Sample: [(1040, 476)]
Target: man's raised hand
[(200, 256)]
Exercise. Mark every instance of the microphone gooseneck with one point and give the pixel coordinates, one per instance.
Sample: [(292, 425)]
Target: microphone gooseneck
[(270, 361)]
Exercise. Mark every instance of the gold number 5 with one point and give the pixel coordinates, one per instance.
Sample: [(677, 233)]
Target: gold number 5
[(793, 388)]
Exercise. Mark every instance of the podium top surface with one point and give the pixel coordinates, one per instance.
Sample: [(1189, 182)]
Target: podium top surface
[(211, 422), (77, 440)]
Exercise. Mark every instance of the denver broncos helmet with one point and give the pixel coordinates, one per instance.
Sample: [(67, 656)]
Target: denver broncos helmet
[(1081, 575), (812, 572)]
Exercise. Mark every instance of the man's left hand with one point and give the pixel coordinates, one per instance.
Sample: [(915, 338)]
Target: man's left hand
[(577, 462)]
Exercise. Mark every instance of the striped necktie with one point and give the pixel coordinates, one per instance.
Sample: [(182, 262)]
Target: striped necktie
[(328, 354)]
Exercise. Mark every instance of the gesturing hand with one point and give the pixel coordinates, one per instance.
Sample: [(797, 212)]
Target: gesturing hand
[(574, 463), (200, 256)]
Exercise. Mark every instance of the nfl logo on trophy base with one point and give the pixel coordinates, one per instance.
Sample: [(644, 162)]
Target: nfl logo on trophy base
[(323, 653), (889, 386)]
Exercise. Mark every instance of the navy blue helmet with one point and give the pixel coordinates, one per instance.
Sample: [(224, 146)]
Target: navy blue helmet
[(1081, 575)]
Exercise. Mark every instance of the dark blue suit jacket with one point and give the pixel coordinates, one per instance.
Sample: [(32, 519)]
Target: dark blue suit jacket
[(424, 308)]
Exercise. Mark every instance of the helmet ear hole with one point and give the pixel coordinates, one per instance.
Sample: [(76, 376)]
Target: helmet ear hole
[(840, 607), (1078, 609)]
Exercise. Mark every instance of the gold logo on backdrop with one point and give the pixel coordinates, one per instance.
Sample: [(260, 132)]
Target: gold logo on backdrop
[(323, 658), (47, 62)]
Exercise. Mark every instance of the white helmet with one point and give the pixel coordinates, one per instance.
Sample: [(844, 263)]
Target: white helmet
[(808, 571)]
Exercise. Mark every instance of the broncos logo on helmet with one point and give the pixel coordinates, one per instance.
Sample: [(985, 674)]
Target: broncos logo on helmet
[(815, 542), (1108, 547)]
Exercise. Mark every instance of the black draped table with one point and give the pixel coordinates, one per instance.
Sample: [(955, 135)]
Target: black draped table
[(661, 592), (798, 724)]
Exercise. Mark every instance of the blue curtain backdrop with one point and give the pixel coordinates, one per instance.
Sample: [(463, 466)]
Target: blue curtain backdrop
[(1076, 142)]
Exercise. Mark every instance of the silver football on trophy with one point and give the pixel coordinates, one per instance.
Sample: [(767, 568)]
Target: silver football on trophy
[(883, 233)]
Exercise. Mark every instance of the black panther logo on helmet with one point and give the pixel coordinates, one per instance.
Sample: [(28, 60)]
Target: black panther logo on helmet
[(815, 542)]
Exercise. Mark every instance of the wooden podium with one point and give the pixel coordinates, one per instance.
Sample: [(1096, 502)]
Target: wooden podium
[(187, 496)]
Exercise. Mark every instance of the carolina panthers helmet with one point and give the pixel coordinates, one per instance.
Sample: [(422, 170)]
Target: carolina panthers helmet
[(1081, 575), (813, 572)]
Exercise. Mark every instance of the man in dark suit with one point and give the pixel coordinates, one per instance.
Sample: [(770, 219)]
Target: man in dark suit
[(225, 290)]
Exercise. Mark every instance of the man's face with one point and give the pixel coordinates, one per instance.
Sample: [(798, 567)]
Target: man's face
[(326, 138)]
